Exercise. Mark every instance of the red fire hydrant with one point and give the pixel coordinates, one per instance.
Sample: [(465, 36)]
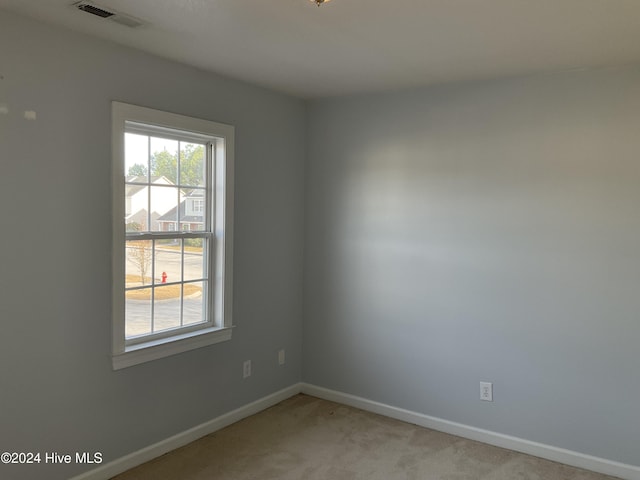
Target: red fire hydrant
[(164, 277)]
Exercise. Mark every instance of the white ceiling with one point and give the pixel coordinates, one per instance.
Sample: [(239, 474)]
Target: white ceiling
[(351, 46)]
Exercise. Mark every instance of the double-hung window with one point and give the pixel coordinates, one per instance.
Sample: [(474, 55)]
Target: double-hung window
[(172, 263)]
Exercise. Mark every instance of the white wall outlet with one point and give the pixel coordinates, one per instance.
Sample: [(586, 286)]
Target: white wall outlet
[(486, 391), (281, 357), (246, 369)]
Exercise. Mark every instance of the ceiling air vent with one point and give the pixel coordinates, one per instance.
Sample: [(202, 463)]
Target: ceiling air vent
[(92, 9), (122, 19)]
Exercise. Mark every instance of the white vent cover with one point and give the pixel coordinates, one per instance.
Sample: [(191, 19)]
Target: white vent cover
[(108, 14)]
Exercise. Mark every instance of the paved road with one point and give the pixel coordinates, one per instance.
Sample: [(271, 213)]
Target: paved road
[(166, 312), (169, 261)]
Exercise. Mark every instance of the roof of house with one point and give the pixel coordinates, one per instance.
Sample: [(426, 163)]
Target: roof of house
[(136, 183), (170, 216)]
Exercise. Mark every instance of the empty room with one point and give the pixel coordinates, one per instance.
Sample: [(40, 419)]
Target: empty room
[(300, 239)]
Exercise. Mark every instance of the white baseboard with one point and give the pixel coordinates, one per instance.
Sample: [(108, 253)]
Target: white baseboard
[(561, 455), (134, 459), (568, 457)]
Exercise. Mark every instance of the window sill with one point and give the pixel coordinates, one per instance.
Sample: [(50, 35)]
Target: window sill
[(165, 347)]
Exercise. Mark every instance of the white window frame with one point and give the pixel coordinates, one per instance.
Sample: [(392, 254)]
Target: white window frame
[(218, 326)]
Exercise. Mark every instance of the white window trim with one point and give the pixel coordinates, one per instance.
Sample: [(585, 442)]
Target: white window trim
[(127, 355)]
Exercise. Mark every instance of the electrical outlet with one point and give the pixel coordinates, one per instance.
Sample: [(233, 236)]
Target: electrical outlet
[(246, 369), (486, 391), (281, 357)]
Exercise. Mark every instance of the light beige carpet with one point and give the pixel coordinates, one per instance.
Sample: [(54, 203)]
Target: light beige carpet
[(312, 439)]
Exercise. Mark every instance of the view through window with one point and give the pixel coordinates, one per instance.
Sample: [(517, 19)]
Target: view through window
[(167, 272)]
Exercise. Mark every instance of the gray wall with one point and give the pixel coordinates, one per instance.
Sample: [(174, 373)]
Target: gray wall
[(57, 389), (485, 231)]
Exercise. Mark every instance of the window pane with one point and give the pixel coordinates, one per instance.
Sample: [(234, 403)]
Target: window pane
[(168, 258), (164, 159), (194, 258), (194, 309), (137, 312), (192, 162), (136, 208), (136, 157), (138, 263), (194, 209), (166, 307), (164, 207)]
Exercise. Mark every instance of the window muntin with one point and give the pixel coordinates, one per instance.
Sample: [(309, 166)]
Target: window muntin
[(172, 262)]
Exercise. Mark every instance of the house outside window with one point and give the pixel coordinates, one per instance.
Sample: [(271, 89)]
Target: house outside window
[(171, 267)]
